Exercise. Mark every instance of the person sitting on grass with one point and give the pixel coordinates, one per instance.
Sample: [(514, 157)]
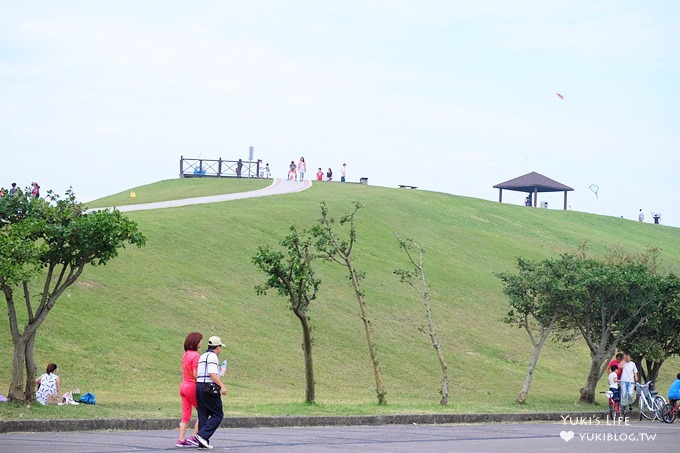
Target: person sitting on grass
[(48, 384), (613, 380), (674, 390)]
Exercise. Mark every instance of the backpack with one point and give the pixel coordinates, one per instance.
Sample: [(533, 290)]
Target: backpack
[(87, 398)]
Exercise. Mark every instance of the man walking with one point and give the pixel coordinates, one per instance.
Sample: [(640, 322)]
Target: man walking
[(629, 376), (209, 389)]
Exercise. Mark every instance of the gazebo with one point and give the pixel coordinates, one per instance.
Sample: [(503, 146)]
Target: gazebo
[(533, 183)]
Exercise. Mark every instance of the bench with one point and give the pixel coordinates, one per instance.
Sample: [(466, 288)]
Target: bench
[(405, 186)]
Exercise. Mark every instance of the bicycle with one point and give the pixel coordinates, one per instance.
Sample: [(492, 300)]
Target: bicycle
[(669, 412), (649, 401), (615, 409)]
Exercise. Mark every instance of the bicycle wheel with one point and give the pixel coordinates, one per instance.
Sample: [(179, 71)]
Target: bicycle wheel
[(647, 408), (668, 413), (659, 403)]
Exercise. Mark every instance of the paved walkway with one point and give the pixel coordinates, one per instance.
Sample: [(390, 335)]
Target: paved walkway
[(528, 437), (278, 187)]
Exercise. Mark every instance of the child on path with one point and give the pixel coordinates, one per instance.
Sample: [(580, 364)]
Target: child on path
[(292, 175), (613, 380)]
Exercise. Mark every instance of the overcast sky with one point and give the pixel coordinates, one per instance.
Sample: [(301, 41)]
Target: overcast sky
[(453, 96)]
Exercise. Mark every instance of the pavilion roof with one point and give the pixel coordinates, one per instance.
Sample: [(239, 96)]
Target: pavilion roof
[(531, 181)]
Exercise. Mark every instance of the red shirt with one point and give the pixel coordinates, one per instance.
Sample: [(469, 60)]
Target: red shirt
[(189, 365)]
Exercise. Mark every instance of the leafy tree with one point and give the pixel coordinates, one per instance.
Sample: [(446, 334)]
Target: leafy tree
[(609, 303), (535, 297), (332, 248), (658, 339), (48, 242), (415, 278), (291, 274)]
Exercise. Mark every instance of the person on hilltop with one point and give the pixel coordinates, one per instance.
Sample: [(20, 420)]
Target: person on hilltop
[(209, 389), (319, 174), (239, 168), (641, 216), (267, 171), (187, 389), (48, 384), (629, 376), (13, 190), (329, 175), (302, 168), (343, 176), (35, 190)]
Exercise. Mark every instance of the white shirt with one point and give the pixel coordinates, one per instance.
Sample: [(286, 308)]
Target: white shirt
[(629, 370), (207, 365), (612, 380)]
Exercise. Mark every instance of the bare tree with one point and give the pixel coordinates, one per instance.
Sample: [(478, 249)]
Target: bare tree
[(333, 248), (415, 278)]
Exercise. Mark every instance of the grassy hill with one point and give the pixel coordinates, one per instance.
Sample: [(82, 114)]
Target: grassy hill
[(119, 332)]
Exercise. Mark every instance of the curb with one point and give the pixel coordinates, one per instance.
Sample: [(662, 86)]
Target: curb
[(151, 424)]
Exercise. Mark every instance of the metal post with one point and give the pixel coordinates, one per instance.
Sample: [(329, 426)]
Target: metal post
[(200, 167), (565, 200), (500, 195), (181, 166), (219, 168), (535, 197)]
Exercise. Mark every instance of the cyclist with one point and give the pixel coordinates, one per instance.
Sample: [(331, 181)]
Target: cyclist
[(613, 380), (674, 390)]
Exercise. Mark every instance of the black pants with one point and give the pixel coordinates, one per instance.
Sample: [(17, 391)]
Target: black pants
[(210, 413)]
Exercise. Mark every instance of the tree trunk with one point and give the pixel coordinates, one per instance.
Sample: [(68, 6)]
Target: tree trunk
[(588, 392), (435, 343), (521, 399), (310, 393), (650, 372), (16, 388), (30, 369), (379, 389)]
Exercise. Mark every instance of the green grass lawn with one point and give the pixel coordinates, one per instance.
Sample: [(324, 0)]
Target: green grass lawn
[(119, 331), (175, 189)]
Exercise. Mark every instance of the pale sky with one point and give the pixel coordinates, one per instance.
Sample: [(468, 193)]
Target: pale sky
[(453, 96)]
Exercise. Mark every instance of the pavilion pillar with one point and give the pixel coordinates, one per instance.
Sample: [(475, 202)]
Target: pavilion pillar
[(500, 195), (535, 197), (565, 200)]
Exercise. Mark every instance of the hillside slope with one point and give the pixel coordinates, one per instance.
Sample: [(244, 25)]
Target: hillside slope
[(120, 331)]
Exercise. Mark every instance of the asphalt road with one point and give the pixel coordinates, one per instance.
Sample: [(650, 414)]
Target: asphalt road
[(635, 437)]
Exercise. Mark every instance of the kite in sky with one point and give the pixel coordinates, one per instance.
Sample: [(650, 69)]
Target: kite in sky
[(560, 96)]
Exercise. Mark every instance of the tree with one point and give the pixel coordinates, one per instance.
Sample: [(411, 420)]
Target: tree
[(49, 242), (410, 277), (332, 248), (658, 339), (534, 297), (292, 276), (609, 303)]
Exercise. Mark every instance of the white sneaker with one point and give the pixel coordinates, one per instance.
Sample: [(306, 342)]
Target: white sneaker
[(202, 443)]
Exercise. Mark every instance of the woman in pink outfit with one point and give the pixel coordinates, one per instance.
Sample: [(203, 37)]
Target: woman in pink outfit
[(187, 390), (302, 168)]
